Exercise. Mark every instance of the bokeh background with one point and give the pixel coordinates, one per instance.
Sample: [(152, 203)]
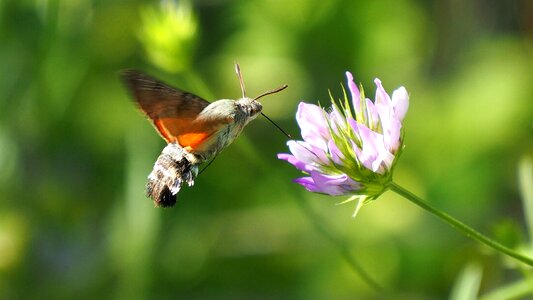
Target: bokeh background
[(75, 152)]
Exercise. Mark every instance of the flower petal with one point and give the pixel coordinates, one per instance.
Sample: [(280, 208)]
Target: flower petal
[(381, 95), (308, 184), (313, 126), (366, 158), (335, 153), (391, 135), (373, 150), (334, 185), (337, 120), (356, 95), (400, 102), (371, 114), (298, 164), (307, 153)]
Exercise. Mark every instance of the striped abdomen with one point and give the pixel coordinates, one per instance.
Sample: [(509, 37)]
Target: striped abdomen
[(173, 167)]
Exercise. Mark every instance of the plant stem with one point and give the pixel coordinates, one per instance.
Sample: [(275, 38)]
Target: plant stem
[(459, 225), (343, 248)]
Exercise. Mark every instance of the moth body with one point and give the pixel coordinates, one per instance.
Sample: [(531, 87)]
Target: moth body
[(194, 129), (236, 115)]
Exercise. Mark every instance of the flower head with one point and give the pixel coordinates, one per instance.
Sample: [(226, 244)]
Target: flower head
[(350, 151)]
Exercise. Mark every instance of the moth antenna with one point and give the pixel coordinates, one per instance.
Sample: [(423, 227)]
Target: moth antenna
[(271, 92), (270, 120), (277, 126), (241, 81)]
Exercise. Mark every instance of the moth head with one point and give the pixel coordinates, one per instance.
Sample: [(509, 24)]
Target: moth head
[(250, 107)]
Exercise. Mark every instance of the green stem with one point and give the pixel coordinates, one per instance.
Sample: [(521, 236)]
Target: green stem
[(459, 225), (343, 248)]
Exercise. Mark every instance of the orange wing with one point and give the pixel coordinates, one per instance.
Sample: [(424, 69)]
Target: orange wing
[(181, 131), (171, 110)]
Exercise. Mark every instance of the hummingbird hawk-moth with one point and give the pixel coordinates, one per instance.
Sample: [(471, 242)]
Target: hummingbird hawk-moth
[(195, 129)]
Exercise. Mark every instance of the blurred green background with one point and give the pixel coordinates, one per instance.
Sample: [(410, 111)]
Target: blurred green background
[(75, 152)]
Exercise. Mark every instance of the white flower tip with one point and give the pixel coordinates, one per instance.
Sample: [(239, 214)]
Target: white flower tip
[(402, 89), (349, 76), (400, 102), (301, 105), (356, 94), (401, 92)]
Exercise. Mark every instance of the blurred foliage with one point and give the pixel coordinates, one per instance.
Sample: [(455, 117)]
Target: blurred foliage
[(167, 34), (75, 152)]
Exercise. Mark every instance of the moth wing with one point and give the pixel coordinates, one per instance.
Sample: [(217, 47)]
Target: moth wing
[(171, 110), (214, 121), (200, 135)]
